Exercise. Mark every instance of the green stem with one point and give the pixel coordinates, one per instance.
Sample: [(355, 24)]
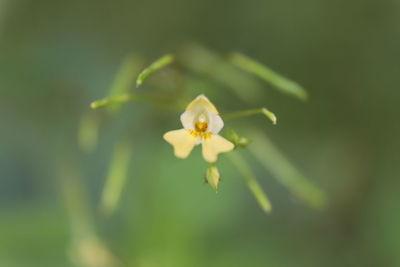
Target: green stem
[(260, 70), (117, 175), (112, 100), (156, 65), (249, 112), (284, 172), (250, 180), (123, 98)]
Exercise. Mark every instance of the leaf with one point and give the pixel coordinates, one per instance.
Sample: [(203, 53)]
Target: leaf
[(265, 73), (155, 66)]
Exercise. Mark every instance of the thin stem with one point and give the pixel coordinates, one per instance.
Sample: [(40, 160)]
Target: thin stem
[(260, 70), (249, 112), (155, 66), (117, 175), (87, 248), (284, 172), (251, 181), (112, 100), (123, 98)]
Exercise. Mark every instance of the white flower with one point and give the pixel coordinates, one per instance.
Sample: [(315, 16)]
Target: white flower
[(201, 125)]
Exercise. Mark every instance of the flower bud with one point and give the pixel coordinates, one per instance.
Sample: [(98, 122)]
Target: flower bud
[(213, 177), (237, 140)]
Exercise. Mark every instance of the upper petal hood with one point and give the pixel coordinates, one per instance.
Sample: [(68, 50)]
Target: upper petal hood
[(202, 103)]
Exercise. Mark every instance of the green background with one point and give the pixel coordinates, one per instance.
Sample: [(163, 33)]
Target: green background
[(58, 56)]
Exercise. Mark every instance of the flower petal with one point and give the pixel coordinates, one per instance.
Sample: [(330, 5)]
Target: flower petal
[(187, 119), (182, 141), (214, 145), (200, 103), (216, 123)]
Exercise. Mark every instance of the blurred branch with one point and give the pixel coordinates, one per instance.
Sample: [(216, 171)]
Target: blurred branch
[(88, 131), (161, 100), (75, 200), (155, 66), (250, 112), (281, 83), (250, 179), (125, 78), (112, 100), (126, 75), (116, 178), (285, 173), (87, 249), (204, 61)]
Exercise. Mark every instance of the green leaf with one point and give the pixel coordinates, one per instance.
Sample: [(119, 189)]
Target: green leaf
[(265, 73), (251, 181), (155, 66), (285, 173)]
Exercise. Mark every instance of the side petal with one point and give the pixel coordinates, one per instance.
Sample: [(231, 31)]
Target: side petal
[(182, 141), (187, 119), (214, 145), (216, 123)]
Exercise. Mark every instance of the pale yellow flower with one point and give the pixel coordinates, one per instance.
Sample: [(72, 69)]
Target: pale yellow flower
[(201, 125)]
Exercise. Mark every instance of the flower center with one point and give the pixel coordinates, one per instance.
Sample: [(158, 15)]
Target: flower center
[(201, 123), (201, 126), (203, 135)]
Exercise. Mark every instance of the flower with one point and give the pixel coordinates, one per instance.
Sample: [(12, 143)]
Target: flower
[(201, 125)]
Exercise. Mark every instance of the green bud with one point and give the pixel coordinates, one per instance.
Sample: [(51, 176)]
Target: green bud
[(236, 139), (243, 141), (213, 177)]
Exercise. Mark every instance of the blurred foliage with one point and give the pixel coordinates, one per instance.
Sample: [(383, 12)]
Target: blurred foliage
[(280, 167), (57, 56)]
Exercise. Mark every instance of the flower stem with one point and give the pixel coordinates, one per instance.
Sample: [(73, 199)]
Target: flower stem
[(265, 73), (155, 66), (117, 175), (249, 112), (284, 172), (123, 98), (250, 180)]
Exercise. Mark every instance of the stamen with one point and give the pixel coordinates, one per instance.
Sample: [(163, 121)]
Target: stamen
[(202, 135), (202, 118), (201, 126)]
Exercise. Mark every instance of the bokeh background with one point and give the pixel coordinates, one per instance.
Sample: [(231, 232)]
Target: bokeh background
[(58, 56)]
